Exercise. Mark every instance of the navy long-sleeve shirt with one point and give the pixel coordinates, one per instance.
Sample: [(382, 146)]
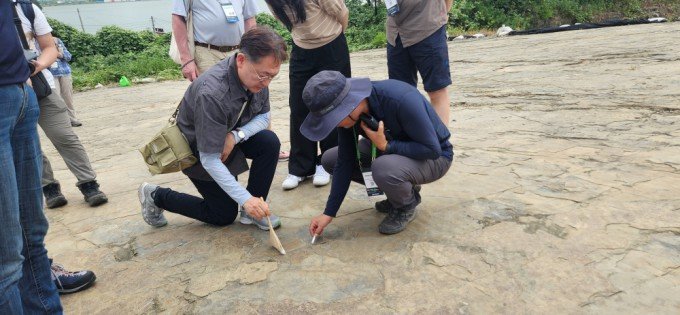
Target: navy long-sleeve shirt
[(417, 132)]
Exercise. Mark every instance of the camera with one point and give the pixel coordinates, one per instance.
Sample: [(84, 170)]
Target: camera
[(30, 55), (373, 124), (369, 121)]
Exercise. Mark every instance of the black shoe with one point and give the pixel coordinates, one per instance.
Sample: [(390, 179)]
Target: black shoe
[(76, 124), (53, 196), (384, 206), (93, 196), (71, 281), (397, 219)]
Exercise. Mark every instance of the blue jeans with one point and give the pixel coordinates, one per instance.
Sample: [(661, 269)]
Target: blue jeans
[(25, 283)]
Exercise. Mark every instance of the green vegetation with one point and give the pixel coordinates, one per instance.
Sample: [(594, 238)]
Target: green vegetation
[(114, 52), (525, 14)]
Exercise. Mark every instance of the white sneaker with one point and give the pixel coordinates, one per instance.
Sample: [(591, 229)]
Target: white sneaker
[(321, 177), (291, 182)]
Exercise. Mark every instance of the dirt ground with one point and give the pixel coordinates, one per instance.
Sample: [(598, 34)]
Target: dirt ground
[(563, 198)]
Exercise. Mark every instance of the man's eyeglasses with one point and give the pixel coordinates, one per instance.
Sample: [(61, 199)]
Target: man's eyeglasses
[(261, 78)]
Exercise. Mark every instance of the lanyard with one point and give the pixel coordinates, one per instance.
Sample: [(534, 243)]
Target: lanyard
[(356, 142)]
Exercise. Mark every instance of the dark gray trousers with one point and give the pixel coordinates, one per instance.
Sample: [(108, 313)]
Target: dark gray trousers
[(394, 174)]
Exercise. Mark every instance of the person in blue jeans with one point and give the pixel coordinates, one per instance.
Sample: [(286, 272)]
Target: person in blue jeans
[(25, 283)]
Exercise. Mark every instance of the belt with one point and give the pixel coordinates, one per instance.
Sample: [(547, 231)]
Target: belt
[(218, 48)]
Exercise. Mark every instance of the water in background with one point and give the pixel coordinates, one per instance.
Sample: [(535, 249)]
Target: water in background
[(129, 15)]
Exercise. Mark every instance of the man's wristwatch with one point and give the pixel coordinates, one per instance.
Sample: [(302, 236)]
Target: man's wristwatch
[(241, 135)]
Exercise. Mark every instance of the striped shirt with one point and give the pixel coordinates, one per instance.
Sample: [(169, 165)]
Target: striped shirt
[(322, 25)]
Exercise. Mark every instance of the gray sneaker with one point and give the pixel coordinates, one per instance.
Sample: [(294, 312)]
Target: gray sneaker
[(384, 206), (262, 223), (397, 219), (152, 214)]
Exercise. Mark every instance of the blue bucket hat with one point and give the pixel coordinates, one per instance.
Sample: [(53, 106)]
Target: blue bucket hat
[(330, 98)]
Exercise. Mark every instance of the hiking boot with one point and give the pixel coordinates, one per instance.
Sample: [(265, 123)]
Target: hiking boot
[(262, 223), (152, 214), (397, 219), (53, 196), (93, 196), (384, 206), (71, 281)]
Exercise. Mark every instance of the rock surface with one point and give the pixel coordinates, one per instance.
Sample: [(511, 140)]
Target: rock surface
[(564, 197)]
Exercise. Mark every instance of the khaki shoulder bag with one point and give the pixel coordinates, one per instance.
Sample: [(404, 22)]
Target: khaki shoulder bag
[(169, 150)]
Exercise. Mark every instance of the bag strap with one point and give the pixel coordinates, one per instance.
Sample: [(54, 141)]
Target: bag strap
[(173, 118), (20, 30), (29, 12), (250, 99), (190, 7), (190, 24), (27, 7)]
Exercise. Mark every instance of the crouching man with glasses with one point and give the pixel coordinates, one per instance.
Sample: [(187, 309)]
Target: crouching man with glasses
[(224, 116)]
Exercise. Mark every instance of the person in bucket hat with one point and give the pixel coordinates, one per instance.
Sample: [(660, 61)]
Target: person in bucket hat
[(404, 144)]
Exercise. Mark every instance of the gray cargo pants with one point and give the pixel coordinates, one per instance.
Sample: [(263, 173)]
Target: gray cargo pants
[(394, 174), (56, 123)]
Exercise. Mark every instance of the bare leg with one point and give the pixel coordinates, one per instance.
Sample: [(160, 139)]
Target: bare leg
[(441, 103)]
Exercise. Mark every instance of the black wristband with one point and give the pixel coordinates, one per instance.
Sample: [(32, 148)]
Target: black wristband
[(186, 63)]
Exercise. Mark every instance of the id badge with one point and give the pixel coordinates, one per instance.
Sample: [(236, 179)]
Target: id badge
[(371, 187), (230, 12), (392, 7)]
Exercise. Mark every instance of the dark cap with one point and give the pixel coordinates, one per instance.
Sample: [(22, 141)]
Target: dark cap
[(330, 98)]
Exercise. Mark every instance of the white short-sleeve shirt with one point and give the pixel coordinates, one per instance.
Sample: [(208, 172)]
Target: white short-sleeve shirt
[(41, 27)]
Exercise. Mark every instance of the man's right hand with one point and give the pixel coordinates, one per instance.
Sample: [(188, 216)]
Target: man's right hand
[(319, 223), (256, 208), (190, 71)]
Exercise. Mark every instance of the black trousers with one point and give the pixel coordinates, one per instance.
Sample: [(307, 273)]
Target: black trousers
[(304, 64), (216, 207)]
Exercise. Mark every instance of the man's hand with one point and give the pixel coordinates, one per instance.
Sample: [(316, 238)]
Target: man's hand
[(229, 144), (190, 71), (319, 223), (377, 137), (37, 66), (256, 208)]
